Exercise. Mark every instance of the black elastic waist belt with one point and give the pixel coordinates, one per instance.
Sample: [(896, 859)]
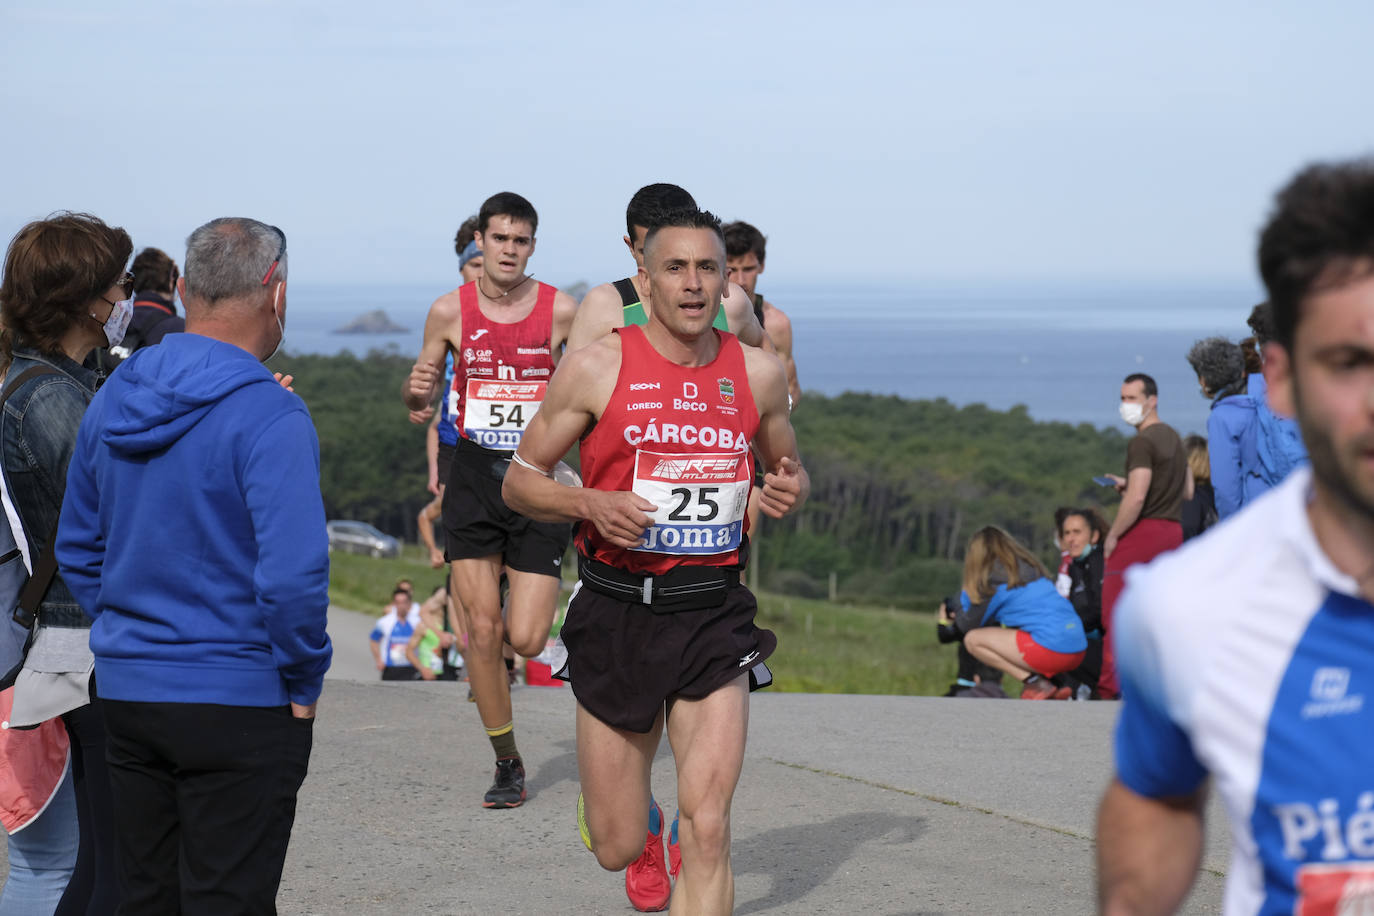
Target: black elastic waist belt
[(484, 460), (683, 588)]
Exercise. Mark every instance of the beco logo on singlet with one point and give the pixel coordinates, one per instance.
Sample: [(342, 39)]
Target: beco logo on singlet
[(688, 400)]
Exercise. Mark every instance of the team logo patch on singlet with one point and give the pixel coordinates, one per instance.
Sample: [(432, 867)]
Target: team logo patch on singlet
[(497, 412), (727, 390), (701, 500)]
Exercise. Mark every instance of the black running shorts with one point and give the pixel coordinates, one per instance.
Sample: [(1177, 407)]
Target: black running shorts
[(478, 523), (625, 661), (444, 462)]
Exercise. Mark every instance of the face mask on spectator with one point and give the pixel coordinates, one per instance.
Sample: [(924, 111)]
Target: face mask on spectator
[(1132, 413), (118, 322)]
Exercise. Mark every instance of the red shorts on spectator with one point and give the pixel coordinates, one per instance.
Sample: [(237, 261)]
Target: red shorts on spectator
[(1044, 661)]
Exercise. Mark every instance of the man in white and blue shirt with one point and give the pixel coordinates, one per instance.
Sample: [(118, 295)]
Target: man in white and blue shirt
[(1248, 655), (391, 636)]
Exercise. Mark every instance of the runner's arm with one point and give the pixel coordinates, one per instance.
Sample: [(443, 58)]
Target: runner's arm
[(414, 644), (780, 332), (1148, 850), (432, 453), (785, 482), (445, 318), (743, 323), (599, 313), (579, 389), (432, 611), (376, 643), (564, 312)]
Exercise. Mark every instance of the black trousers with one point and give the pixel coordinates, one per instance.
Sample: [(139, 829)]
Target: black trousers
[(94, 887), (204, 801)]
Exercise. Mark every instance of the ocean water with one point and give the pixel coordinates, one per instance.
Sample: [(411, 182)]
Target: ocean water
[(1060, 352)]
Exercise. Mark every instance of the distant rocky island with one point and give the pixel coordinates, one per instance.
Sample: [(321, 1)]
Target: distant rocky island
[(372, 323)]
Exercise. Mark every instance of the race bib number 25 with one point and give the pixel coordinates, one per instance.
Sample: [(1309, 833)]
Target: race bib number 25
[(700, 500), (498, 412)]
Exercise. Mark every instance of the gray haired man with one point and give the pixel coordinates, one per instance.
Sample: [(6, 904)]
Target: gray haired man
[(193, 533)]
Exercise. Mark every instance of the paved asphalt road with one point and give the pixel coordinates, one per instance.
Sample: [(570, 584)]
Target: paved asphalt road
[(847, 805)]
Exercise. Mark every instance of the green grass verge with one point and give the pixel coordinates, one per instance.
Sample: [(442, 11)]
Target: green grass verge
[(833, 648), (822, 647), (361, 583)]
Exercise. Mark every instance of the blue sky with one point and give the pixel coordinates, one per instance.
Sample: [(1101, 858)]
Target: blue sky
[(969, 143)]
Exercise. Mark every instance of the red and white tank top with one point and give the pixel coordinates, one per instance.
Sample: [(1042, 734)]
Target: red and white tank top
[(678, 436), (501, 371)]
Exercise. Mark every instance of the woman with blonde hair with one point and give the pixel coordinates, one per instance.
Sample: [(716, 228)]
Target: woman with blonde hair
[(1199, 511), (1013, 618)]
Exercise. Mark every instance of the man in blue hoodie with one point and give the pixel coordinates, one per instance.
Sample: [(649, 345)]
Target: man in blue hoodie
[(193, 532)]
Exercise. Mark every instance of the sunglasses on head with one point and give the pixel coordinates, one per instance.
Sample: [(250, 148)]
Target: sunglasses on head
[(281, 250)]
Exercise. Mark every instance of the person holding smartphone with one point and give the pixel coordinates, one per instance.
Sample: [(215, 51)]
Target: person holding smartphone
[(1148, 521)]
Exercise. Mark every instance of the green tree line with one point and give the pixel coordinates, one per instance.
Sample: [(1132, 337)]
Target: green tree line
[(898, 486)]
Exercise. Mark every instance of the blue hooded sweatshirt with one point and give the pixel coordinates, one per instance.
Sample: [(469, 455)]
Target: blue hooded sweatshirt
[(193, 531)]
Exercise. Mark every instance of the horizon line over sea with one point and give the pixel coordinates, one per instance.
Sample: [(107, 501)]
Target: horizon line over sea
[(1061, 351)]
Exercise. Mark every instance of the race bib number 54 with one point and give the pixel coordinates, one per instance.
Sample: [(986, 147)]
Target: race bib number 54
[(700, 500), (498, 412)]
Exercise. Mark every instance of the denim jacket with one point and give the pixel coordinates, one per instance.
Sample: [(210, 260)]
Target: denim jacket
[(37, 435)]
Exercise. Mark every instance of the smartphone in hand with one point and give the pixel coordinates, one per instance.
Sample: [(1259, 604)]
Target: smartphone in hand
[(1104, 481)]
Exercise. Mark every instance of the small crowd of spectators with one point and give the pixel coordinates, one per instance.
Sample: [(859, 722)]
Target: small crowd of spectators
[(1053, 631)]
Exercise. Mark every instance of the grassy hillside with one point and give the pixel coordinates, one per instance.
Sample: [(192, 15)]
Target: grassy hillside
[(822, 647)]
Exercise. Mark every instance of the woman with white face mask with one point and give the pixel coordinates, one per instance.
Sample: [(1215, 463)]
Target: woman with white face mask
[(65, 291)]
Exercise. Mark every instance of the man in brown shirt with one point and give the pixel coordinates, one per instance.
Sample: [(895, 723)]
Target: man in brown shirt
[(1147, 522)]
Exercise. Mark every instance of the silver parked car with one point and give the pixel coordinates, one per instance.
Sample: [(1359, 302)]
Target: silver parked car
[(360, 537)]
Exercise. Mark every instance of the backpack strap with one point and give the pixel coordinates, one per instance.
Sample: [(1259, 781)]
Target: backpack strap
[(45, 567), (31, 372)]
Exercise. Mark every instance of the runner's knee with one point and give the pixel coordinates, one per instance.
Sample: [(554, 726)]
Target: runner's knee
[(528, 643), (616, 856), (486, 632), (709, 831)]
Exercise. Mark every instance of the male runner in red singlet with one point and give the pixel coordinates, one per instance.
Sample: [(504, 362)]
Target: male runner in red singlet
[(666, 415), (506, 332), (621, 304), (615, 305)]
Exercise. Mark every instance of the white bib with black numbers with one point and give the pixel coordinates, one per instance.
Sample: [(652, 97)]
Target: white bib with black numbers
[(701, 501), (497, 412)]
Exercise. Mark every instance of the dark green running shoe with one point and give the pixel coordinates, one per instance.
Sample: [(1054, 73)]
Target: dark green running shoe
[(508, 791)]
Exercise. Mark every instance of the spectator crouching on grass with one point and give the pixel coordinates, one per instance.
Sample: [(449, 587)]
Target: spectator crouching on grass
[(1012, 618)]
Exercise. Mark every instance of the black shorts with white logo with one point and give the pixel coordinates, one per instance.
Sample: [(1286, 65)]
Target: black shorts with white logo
[(625, 661), (478, 523)]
